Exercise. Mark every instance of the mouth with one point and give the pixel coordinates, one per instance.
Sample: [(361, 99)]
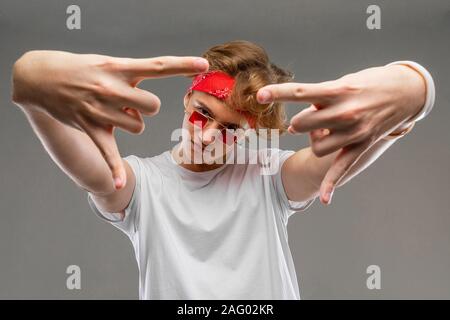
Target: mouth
[(198, 145)]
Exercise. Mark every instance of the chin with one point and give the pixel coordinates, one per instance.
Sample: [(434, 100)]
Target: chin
[(189, 146)]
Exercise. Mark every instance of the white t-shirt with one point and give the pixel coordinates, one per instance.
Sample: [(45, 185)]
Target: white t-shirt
[(219, 234)]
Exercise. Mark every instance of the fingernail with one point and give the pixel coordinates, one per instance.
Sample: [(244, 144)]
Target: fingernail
[(200, 63), (264, 96), (117, 183), (292, 131)]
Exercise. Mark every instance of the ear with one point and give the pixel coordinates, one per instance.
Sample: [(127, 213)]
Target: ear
[(186, 98)]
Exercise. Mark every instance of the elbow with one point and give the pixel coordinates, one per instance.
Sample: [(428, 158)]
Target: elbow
[(18, 76), (102, 187)]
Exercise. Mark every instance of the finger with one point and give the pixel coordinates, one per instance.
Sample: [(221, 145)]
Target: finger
[(104, 115), (308, 110), (324, 144), (164, 66), (134, 113), (312, 118), (311, 108), (127, 119), (341, 165), (142, 100), (321, 92), (319, 134), (104, 139)]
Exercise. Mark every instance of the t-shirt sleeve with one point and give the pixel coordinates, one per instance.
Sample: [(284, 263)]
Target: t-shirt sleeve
[(290, 207), (129, 223), (430, 88)]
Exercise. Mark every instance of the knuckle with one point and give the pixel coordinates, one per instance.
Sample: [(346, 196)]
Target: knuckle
[(298, 92), (349, 116), (342, 87), (104, 89), (159, 65), (345, 86), (338, 88), (108, 63), (119, 64)]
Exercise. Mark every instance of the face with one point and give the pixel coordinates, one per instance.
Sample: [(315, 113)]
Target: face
[(207, 139)]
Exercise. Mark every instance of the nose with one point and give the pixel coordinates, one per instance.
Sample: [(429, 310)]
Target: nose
[(210, 133)]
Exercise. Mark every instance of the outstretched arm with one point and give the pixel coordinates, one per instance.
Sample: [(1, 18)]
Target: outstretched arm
[(75, 101), (357, 111)]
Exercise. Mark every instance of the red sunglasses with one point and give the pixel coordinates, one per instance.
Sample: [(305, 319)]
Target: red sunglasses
[(199, 119)]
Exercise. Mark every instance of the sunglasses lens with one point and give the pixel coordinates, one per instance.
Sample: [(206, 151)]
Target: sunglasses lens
[(197, 118)]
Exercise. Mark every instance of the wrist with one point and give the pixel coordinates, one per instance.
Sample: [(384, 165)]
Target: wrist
[(412, 93), (418, 87), (430, 93)]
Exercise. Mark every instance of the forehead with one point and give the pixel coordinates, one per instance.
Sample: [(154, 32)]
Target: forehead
[(221, 111)]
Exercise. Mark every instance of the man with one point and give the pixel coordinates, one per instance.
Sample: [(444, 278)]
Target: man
[(213, 230)]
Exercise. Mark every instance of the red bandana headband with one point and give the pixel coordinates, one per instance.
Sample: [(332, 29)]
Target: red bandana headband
[(218, 84)]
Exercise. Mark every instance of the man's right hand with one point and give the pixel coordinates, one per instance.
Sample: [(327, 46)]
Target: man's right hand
[(96, 93)]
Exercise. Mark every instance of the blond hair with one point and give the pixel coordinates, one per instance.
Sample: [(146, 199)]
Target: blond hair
[(249, 64)]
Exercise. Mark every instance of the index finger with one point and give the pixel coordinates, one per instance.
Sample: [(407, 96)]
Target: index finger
[(345, 159), (104, 139), (290, 91), (164, 66)]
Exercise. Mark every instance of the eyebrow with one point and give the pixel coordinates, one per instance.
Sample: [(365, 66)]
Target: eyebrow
[(212, 113)]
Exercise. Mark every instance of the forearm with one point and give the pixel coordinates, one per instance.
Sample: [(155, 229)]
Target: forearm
[(73, 151)]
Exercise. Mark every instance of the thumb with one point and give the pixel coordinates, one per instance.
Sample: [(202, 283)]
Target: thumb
[(103, 137)]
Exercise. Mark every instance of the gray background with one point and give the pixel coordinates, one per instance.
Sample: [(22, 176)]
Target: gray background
[(395, 214)]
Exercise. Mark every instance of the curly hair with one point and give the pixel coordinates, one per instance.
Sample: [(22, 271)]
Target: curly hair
[(251, 68)]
